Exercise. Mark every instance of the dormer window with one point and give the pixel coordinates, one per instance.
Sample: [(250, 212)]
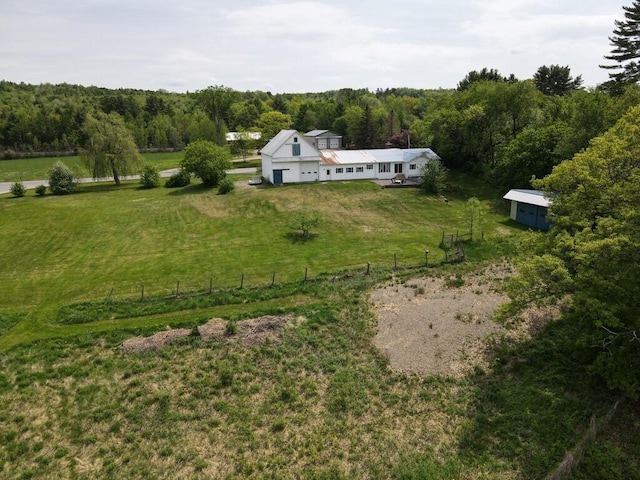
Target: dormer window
[(295, 139)]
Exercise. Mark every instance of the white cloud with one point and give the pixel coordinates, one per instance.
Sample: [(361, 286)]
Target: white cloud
[(289, 45)]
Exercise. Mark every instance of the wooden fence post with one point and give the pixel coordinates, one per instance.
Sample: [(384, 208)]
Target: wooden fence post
[(395, 261), (426, 258), (142, 293), (368, 268), (178, 288), (110, 293), (305, 273), (210, 285), (273, 279), (241, 281)]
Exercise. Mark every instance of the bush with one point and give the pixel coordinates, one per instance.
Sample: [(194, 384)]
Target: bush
[(18, 189), (207, 161), (434, 177), (149, 178), (61, 179), (41, 190), (180, 179), (225, 186)]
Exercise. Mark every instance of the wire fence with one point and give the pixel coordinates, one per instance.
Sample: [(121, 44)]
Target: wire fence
[(207, 284)]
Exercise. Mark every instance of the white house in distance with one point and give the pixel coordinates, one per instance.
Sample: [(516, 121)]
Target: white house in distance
[(529, 207), (293, 158)]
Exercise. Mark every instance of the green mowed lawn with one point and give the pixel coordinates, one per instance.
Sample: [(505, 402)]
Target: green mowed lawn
[(106, 240), (38, 168)]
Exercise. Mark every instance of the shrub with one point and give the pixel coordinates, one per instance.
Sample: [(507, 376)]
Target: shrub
[(207, 161), (18, 189), (149, 178), (225, 186), (41, 190), (180, 179), (61, 180), (434, 177), (304, 221)]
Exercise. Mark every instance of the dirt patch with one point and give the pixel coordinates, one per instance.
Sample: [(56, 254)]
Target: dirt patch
[(439, 326), (249, 333)]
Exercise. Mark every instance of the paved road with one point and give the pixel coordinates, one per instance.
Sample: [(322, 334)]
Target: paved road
[(5, 187)]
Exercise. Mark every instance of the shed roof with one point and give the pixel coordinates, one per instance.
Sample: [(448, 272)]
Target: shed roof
[(380, 155), (322, 133), (531, 197)]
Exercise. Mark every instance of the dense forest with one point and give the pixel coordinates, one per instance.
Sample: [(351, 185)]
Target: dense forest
[(505, 129)]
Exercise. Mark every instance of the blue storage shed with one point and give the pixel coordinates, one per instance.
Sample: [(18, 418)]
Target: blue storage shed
[(529, 207)]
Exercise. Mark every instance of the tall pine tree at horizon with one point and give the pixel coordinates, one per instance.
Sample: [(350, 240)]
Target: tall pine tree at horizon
[(626, 48)]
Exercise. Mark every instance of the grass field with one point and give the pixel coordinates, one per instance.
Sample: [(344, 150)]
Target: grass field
[(322, 403), (38, 168), (81, 247)]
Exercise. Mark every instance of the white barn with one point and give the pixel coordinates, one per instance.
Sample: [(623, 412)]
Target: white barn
[(292, 158)]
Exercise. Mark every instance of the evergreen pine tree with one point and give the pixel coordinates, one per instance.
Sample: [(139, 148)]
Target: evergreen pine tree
[(626, 47)]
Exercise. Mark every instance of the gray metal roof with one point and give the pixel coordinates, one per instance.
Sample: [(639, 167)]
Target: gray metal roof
[(322, 133), (380, 155), (531, 197)]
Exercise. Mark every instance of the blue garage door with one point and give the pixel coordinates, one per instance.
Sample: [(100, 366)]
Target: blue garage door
[(532, 216)]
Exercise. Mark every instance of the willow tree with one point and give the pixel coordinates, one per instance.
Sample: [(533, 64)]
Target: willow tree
[(110, 149)]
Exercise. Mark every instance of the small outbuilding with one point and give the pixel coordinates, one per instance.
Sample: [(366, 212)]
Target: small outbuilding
[(529, 207)]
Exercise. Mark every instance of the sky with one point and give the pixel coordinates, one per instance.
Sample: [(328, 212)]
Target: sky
[(289, 46)]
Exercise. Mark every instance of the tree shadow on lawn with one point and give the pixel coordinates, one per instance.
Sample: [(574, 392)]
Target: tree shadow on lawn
[(535, 404), (299, 237), (192, 189)]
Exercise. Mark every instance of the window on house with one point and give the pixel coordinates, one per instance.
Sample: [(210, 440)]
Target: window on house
[(413, 166), (359, 169), (339, 170), (296, 149), (370, 166), (384, 167), (295, 139), (349, 169)]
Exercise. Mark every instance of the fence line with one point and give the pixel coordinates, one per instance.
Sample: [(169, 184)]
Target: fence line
[(182, 290)]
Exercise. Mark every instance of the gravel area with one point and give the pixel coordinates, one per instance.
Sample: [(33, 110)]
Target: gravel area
[(439, 326)]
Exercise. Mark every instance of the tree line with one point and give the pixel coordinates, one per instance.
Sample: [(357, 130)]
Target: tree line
[(500, 127), (503, 128)]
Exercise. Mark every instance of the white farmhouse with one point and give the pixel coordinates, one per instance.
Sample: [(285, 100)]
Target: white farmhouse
[(293, 158)]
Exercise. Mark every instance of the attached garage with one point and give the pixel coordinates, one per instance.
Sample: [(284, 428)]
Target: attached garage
[(529, 207)]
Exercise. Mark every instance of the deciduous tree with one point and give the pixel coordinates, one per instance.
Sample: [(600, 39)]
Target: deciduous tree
[(207, 161), (593, 250), (217, 101)]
